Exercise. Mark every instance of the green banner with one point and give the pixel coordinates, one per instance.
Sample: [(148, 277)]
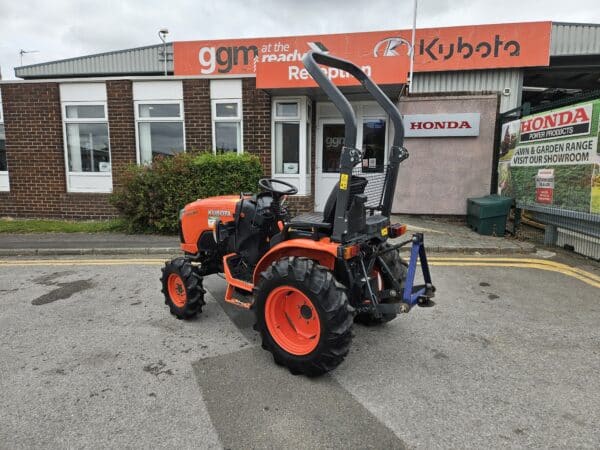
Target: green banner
[(552, 158)]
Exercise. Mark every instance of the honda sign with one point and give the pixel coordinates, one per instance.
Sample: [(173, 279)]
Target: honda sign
[(441, 125)]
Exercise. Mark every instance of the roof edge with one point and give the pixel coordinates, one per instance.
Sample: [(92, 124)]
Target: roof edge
[(112, 52), (587, 24)]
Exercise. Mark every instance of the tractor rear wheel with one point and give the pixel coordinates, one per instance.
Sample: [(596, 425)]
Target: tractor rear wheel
[(182, 288), (399, 270), (303, 316)]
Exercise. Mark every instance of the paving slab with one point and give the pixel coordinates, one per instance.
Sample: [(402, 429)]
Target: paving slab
[(453, 235)]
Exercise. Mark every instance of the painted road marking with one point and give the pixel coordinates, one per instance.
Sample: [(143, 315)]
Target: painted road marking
[(527, 263), (518, 265), (520, 260)]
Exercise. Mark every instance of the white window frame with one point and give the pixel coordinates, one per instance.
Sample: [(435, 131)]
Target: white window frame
[(138, 120), (103, 179), (237, 119), (4, 180), (302, 179)]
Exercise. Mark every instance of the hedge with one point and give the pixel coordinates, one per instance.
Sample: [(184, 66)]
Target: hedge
[(150, 197)]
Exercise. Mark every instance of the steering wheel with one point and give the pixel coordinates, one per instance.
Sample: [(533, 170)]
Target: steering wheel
[(267, 185)]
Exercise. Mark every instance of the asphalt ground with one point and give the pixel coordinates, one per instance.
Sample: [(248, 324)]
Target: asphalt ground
[(90, 358)]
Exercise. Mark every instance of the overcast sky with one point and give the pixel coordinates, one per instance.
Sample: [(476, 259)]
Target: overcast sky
[(61, 29)]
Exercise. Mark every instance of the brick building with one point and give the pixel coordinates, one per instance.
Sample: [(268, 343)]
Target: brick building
[(69, 128)]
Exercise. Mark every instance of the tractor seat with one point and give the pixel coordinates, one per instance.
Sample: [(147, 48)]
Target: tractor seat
[(324, 221)]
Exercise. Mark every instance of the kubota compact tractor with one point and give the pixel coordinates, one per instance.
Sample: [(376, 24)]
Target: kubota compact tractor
[(307, 278)]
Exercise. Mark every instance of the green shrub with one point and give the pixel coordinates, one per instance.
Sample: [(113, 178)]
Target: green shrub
[(150, 197)]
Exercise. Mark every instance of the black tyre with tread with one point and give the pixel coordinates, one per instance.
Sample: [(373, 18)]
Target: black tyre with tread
[(193, 288), (399, 270), (329, 297)]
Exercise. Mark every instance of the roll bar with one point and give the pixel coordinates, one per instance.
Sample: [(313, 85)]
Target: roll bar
[(312, 60)]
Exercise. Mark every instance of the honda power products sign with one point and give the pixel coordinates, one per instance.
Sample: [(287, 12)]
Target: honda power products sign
[(441, 125), (552, 158), (383, 55)]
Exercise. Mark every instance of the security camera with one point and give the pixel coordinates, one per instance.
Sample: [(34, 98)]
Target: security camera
[(164, 31)]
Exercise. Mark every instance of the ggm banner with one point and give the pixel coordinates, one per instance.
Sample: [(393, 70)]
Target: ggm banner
[(552, 158)]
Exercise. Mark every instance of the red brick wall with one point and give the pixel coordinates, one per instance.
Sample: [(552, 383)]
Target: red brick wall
[(35, 157), (35, 148), (298, 204), (121, 123), (35, 151), (256, 105), (196, 105)]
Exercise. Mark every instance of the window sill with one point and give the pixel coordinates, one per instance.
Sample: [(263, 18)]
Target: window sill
[(287, 175), (82, 191), (90, 182), (85, 193)]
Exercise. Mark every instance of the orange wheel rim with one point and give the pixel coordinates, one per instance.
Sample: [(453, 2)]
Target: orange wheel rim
[(292, 320), (176, 290)]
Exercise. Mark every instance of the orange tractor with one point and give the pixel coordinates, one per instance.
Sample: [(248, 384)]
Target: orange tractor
[(307, 278)]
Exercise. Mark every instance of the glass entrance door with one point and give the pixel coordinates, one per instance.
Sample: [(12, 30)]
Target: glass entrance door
[(372, 133), (330, 140)]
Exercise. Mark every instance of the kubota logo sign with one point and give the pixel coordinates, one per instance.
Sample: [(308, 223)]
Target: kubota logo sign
[(384, 55), (391, 47)]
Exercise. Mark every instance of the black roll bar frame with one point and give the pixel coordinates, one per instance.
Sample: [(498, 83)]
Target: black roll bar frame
[(351, 155)]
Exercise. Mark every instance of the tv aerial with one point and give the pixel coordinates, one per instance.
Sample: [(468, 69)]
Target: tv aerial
[(25, 52)]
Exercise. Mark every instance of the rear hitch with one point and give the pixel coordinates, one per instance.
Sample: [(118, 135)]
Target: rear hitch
[(421, 294)]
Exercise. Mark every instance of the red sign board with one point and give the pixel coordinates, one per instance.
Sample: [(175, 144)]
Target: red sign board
[(544, 186), (384, 55)]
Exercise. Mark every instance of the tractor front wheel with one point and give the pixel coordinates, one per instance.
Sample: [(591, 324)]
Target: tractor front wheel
[(182, 288), (303, 316)]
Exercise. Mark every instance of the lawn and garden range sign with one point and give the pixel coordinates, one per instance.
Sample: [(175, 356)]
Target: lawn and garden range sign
[(383, 55), (552, 158)]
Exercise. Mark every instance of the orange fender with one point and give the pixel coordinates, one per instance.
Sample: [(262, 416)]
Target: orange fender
[(324, 251)]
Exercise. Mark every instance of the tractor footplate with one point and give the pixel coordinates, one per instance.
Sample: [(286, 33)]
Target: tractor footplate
[(242, 300), (239, 269)]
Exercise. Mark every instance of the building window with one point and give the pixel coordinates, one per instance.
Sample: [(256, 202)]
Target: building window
[(86, 130), (287, 137), (227, 125), (291, 141), (160, 129), (86, 137)]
